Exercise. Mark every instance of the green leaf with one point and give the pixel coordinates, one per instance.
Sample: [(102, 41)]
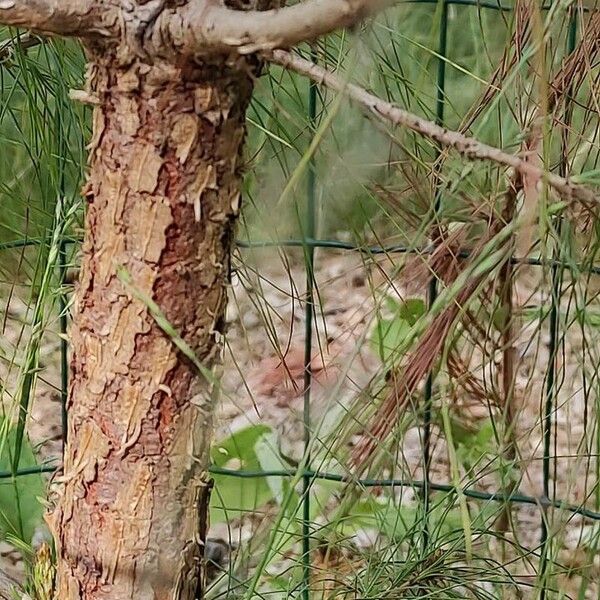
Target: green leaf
[(588, 177), (389, 334), (412, 310), (387, 337), (396, 522), (240, 445), (234, 496), (472, 445), (500, 317), (270, 460), (389, 519)]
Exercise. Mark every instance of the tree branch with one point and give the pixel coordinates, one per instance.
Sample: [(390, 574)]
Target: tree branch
[(468, 147), (201, 26), (81, 18)]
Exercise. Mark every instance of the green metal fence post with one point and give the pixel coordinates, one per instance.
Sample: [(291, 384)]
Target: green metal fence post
[(432, 292), (309, 309), (551, 388)]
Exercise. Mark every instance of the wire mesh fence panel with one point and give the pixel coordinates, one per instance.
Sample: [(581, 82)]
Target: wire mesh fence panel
[(409, 398)]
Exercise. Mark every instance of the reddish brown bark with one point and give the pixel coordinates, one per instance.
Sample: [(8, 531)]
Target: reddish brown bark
[(163, 195)]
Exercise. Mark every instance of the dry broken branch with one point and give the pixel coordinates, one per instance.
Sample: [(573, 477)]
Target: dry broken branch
[(466, 146)]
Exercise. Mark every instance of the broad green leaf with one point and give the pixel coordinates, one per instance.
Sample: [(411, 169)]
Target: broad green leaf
[(233, 496), (240, 445), (269, 460)]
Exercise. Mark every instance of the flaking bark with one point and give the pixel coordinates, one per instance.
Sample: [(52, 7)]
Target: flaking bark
[(163, 195)]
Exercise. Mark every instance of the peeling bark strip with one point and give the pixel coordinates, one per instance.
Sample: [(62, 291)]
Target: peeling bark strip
[(163, 196)]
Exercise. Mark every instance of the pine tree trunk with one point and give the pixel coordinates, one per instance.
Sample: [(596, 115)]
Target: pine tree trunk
[(163, 195)]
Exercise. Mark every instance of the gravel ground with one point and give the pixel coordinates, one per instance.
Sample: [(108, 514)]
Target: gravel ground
[(266, 322)]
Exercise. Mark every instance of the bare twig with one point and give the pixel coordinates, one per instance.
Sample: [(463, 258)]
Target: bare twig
[(468, 147)]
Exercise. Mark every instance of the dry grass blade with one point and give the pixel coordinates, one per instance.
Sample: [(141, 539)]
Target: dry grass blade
[(443, 263), (510, 59), (576, 66), (405, 381), (459, 372)]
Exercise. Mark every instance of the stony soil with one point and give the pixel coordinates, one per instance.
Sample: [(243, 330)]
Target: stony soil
[(266, 317)]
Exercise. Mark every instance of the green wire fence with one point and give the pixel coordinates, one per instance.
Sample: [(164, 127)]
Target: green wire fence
[(309, 243)]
